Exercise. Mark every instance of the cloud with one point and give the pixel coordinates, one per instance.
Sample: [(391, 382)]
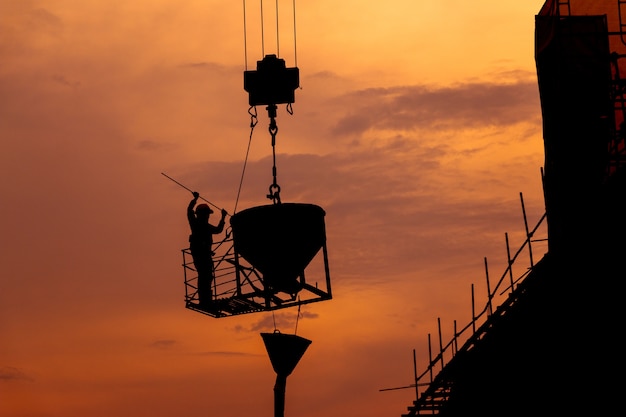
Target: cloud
[(149, 145), (463, 106), (43, 17), (61, 79), (211, 67), (10, 373), (227, 353), (281, 321), (164, 344)]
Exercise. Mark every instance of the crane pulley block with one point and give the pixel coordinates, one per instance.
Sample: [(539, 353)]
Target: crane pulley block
[(272, 82)]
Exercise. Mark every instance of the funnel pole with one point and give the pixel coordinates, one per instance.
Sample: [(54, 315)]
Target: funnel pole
[(285, 350), (279, 395)]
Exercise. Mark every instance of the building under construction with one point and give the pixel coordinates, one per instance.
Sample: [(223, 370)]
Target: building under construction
[(553, 345)]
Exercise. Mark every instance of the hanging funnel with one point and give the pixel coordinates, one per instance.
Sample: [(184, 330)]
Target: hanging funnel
[(284, 350), (279, 240)]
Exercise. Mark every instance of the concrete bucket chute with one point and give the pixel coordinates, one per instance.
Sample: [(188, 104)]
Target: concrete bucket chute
[(280, 240), (285, 351)]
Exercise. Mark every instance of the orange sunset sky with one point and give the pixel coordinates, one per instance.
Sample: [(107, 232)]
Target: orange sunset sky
[(416, 128)]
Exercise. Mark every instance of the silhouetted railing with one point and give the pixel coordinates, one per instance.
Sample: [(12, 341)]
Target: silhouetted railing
[(432, 391), (238, 287)]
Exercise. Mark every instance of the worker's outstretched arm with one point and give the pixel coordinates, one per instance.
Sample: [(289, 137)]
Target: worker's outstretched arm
[(190, 214), (220, 225)]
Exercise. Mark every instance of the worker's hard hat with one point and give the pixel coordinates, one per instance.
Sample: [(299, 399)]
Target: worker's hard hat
[(203, 208)]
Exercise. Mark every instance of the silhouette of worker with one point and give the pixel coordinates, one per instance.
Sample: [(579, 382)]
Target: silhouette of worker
[(200, 243)]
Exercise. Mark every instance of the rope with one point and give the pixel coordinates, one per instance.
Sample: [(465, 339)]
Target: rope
[(253, 122), (245, 38), (297, 316)]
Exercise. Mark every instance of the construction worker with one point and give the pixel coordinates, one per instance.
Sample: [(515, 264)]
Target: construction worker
[(200, 244)]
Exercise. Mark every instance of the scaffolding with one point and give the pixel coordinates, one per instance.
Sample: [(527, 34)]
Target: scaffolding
[(582, 78), (434, 385)]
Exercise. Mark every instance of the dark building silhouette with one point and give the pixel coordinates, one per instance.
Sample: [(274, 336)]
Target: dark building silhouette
[(553, 347)]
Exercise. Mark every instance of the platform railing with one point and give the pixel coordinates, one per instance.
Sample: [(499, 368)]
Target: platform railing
[(238, 287)]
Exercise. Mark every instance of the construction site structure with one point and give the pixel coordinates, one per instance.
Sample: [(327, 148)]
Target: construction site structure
[(551, 347)]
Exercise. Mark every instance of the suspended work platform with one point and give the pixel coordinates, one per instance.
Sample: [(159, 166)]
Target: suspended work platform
[(260, 264)]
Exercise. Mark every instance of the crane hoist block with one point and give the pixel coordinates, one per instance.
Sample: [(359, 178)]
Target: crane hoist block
[(272, 82)]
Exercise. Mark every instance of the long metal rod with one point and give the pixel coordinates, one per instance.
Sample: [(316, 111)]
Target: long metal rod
[(455, 346), (417, 392), (473, 311), (509, 261), (173, 180), (489, 295), (430, 359), (178, 183), (529, 235), (440, 342)]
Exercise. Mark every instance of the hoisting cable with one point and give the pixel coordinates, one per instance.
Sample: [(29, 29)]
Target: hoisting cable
[(245, 38), (262, 32), (277, 37), (295, 48), (245, 34)]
